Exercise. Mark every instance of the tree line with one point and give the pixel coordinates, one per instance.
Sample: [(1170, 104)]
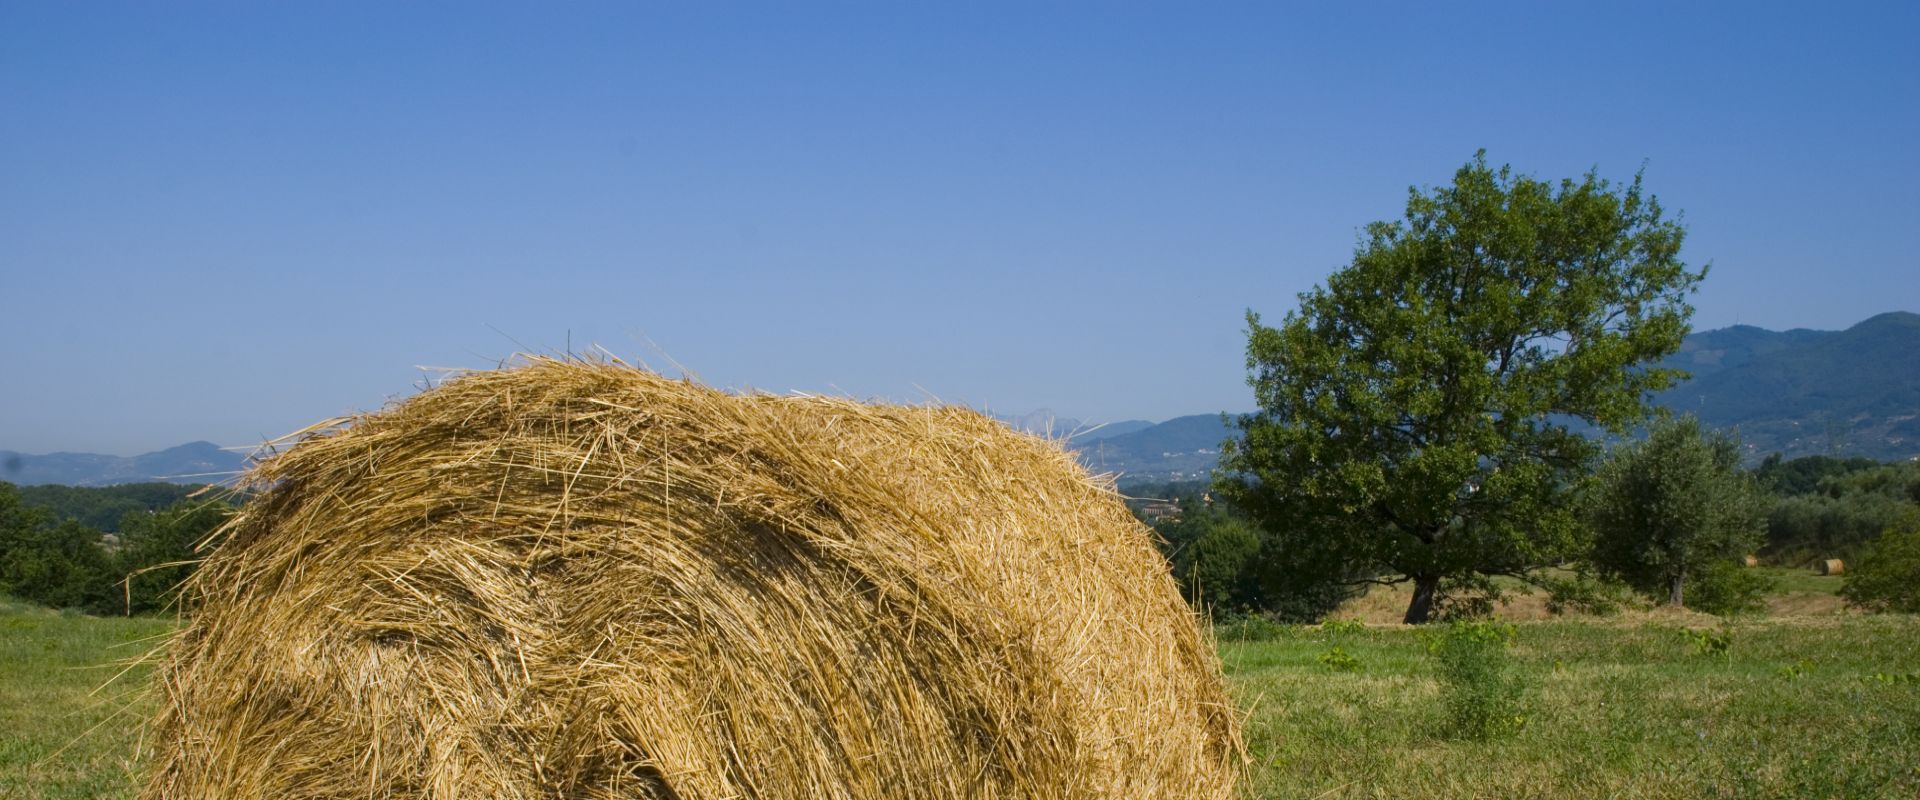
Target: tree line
[(60, 548)]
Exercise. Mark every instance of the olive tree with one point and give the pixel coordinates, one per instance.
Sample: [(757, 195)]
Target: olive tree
[(1666, 507)]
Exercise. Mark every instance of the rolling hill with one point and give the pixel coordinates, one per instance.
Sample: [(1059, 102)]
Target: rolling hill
[(1854, 392), (195, 462)]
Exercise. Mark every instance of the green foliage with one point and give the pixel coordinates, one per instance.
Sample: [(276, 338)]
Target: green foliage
[(1887, 576), (1339, 660), (1213, 556), (1247, 628), (1342, 626), (102, 507), (157, 550), (1218, 562), (1483, 690), (1666, 507), (61, 566), (1413, 413), (1843, 512), (1727, 588), (1804, 475), (1709, 642), (1582, 592), (71, 565)]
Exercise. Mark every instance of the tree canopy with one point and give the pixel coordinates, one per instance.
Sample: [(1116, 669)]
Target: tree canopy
[(1667, 507), (1414, 412)]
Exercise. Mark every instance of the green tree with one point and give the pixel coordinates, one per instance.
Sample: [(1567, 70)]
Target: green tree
[(63, 566), (1213, 554), (1414, 413), (1887, 577), (1666, 507), (157, 550), (1844, 511)]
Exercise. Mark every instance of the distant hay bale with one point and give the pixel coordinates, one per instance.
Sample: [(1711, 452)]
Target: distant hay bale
[(584, 580), (1831, 566), (1752, 560)]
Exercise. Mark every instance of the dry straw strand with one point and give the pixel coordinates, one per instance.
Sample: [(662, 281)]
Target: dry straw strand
[(580, 579)]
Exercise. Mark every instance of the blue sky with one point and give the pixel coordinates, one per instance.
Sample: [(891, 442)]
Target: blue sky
[(225, 221)]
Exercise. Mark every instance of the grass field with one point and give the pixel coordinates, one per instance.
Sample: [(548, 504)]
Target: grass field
[(59, 737), (1809, 706)]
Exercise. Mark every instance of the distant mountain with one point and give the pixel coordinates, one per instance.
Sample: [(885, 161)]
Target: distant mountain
[(1182, 448), (1854, 392), (1045, 423), (196, 462), (1109, 430), (1798, 392)]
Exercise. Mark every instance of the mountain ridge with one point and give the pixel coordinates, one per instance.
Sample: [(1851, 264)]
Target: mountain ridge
[(1798, 392), (193, 462)]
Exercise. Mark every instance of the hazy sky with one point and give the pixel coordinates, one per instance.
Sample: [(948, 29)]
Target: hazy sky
[(225, 221)]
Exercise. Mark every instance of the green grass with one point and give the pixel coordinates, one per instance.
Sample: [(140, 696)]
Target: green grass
[(59, 738), (1813, 707), (1806, 708), (1787, 581)]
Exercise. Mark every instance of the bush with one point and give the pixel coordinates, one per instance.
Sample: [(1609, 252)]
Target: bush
[(1247, 628), (1887, 576), (1339, 660), (1584, 593), (1484, 691), (1727, 588)]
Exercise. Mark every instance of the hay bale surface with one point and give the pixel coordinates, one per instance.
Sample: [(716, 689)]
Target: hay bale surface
[(585, 580), (1832, 566)]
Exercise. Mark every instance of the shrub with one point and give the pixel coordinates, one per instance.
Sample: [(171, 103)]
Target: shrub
[(1339, 660), (1247, 628), (1583, 593), (1727, 588), (1338, 626), (1709, 642), (1887, 577), (1483, 690)]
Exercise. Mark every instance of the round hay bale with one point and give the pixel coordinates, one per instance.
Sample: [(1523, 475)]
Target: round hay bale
[(1832, 566), (585, 580), (1752, 560)]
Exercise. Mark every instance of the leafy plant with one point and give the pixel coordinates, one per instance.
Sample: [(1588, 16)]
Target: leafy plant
[(1709, 642), (1484, 691), (1887, 577), (1583, 593), (1247, 628), (1339, 660), (1343, 626), (1727, 588)]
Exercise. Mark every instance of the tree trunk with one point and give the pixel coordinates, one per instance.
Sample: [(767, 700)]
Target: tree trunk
[(1424, 588), (1674, 597)]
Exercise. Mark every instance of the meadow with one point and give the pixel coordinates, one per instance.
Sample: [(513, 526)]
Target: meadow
[(1630, 706)]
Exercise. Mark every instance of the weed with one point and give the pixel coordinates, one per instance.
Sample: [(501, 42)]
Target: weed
[(1247, 628), (1339, 660), (1342, 626), (1484, 691), (1709, 642)]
